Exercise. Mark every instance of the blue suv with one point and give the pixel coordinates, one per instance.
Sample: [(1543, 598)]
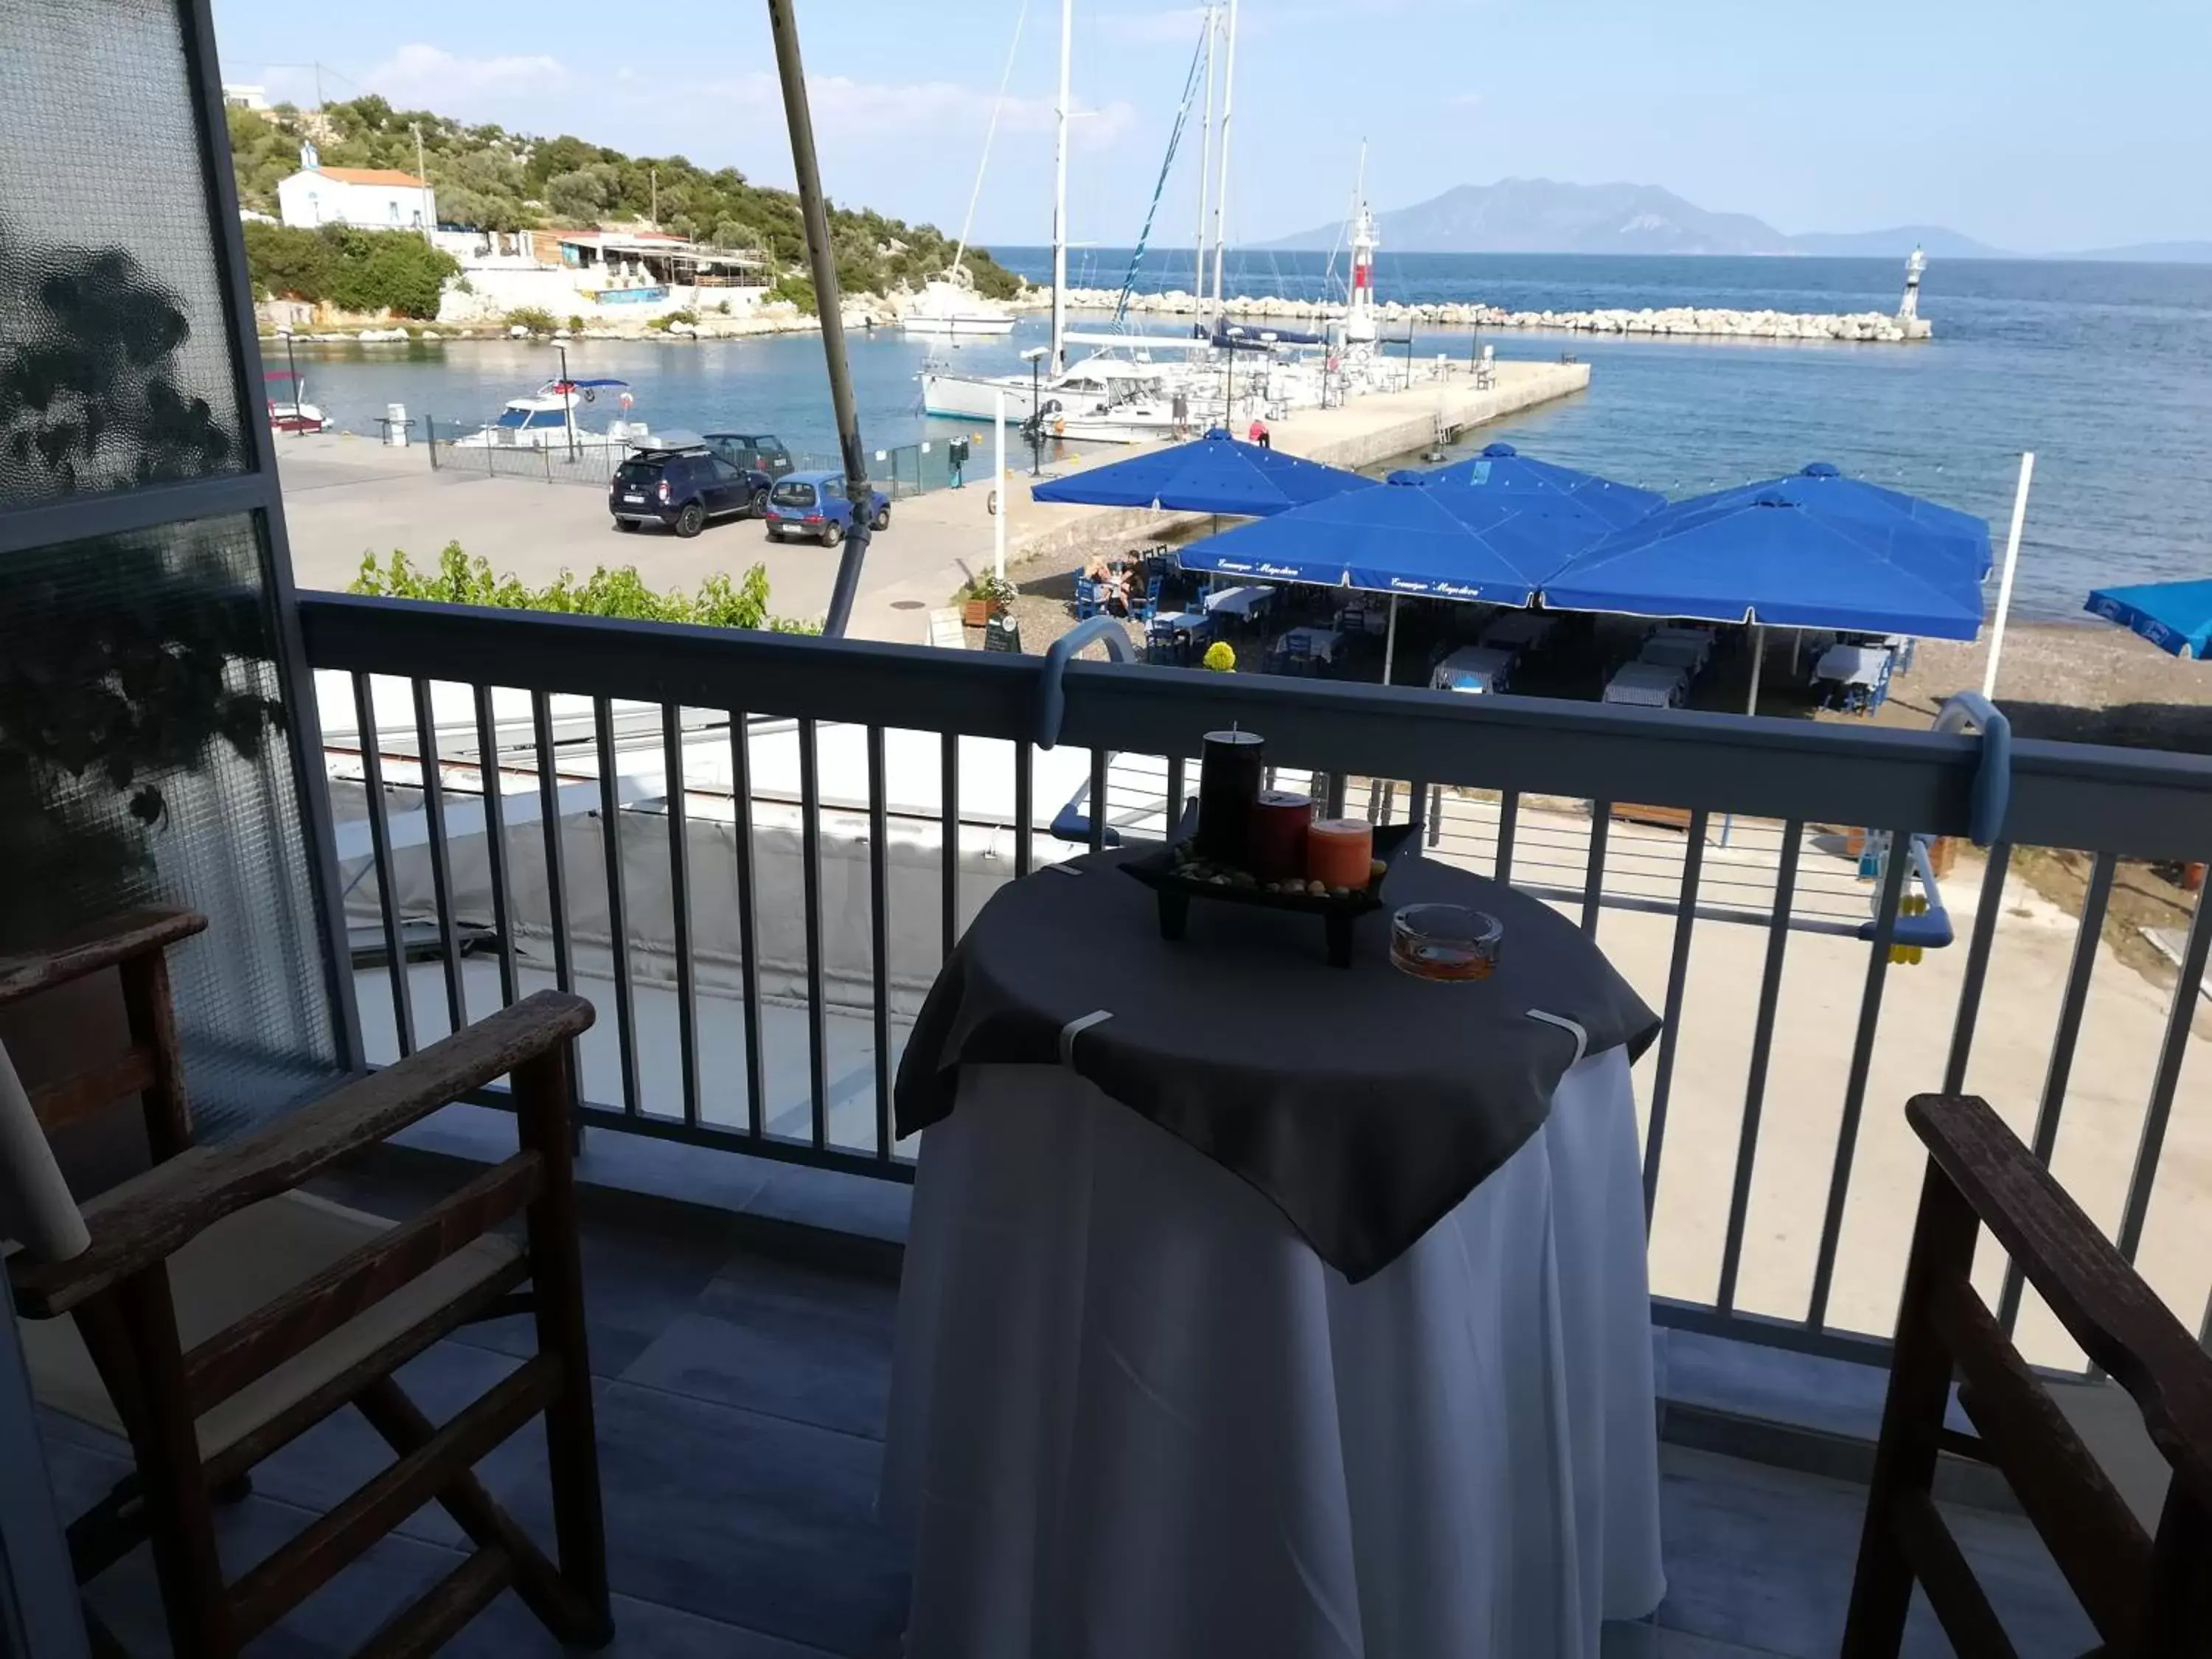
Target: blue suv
[(814, 504)]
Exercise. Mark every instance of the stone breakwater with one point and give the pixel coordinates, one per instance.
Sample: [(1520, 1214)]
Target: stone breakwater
[(1872, 326)]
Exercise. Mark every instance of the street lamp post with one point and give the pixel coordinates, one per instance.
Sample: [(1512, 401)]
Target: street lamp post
[(292, 362), (568, 400), (1034, 357)]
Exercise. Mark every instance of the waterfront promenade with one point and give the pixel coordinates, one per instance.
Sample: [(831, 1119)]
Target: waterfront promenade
[(345, 496)]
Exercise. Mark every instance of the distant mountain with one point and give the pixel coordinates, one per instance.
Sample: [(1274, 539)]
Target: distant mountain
[(1935, 241), (2173, 253), (1541, 216)]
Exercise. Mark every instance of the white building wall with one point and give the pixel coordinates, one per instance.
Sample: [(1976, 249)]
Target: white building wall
[(310, 199)]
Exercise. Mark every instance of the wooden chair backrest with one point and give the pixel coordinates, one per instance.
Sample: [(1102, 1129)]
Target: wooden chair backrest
[(2147, 1594)]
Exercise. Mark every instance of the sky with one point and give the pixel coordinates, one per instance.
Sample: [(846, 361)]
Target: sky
[(2031, 125)]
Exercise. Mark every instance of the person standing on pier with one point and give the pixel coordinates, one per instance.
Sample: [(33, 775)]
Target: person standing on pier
[(1259, 433)]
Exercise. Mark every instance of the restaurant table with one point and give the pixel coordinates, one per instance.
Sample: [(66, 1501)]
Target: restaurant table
[(1320, 643), (1474, 668), (1646, 686), (1140, 1406), (1854, 665), (1518, 630), (1677, 651), (1243, 603)]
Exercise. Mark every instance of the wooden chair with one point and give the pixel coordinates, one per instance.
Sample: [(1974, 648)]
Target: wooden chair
[(215, 1313), (2147, 1593)]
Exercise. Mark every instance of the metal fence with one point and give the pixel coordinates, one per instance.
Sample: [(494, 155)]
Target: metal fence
[(1777, 1184), (900, 471)]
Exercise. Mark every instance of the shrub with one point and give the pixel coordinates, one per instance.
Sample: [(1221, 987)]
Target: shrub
[(1220, 658), (576, 324), (461, 580), (687, 317), (796, 288), (535, 318)]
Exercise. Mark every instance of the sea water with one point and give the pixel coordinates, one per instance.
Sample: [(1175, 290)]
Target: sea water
[(2104, 370)]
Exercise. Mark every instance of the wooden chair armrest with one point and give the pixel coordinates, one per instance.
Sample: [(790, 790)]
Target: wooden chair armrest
[(147, 1218), (87, 950), (2103, 1303)]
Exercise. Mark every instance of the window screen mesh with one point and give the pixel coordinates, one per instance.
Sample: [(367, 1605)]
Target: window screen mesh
[(115, 368), (142, 760)]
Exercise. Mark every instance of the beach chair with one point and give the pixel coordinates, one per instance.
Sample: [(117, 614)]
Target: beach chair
[(1146, 606), (1086, 599)]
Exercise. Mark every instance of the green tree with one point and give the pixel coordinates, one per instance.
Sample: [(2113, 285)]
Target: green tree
[(389, 270)]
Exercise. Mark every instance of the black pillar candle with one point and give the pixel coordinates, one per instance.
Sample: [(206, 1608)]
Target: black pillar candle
[(1228, 783)]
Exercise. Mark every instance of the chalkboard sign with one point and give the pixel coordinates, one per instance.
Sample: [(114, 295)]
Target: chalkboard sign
[(1002, 633)]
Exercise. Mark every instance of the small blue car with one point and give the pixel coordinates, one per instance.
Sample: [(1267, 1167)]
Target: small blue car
[(814, 504)]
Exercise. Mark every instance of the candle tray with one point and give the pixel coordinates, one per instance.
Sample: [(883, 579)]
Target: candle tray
[(1174, 892)]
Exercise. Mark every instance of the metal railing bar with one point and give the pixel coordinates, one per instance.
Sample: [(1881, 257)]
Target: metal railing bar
[(810, 862), (1025, 806), (442, 880), (680, 899), (1754, 1094), (495, 810), (2052, 1108), (1099, 803), (1855, 1082), (380, 841), (617, 908), (556, 865), (1335, 796), (741, 773), (949, 840), (879, 947), (1977, 967), (2143, 802), (1508, 820), (1678, 973), (1172, 803), (2171, 1050), (1594, 871)]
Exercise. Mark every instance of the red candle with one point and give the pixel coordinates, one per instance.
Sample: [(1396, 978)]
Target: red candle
[(1275, 844), (1340, 852)]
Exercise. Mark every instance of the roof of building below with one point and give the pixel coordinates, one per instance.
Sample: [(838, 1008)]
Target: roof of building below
[(372, 176)]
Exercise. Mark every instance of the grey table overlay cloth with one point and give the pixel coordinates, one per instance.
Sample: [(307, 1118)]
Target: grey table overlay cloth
[(1364, 1103)]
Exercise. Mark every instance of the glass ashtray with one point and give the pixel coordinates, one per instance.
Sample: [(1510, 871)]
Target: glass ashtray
[(1445, 942)]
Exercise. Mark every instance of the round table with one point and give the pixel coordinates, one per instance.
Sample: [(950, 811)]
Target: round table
[(1136, 1412)]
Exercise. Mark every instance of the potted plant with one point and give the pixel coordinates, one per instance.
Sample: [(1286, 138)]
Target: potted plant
[(985, 598)]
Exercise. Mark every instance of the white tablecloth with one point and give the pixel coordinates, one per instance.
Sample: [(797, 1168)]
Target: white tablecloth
[(1133, 1414), (1646, 686), (1854, 665), (1241, 601), (1320, 642)]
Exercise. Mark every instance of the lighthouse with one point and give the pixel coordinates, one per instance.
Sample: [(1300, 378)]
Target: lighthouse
[(1908, 308), (1359, 315)]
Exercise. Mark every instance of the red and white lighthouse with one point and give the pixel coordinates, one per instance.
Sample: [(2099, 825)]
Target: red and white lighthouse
[(1359, 314)]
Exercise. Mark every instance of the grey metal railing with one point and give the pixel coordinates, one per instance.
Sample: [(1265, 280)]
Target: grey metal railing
[(674, 685)]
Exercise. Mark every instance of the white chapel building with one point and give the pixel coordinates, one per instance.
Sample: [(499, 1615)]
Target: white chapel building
[(369, 198)]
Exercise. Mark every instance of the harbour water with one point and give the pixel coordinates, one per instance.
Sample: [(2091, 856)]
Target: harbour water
[(2104, 371)]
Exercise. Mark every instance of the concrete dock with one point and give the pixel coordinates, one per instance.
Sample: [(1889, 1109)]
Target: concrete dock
[(345, 496)]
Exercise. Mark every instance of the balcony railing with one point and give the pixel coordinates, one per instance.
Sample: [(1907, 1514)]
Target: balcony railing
[(753, 850)]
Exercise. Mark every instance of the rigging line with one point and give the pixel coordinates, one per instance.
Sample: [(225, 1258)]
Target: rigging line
[(1175, 139), (990, 133)]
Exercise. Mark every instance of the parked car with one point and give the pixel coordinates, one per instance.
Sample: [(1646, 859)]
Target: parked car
[(682, 489), (761, 455), (814, 504)]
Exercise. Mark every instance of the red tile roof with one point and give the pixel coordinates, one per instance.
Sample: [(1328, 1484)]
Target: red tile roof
[(372, 176)]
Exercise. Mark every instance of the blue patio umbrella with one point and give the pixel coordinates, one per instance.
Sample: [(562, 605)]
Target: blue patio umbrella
[(1215, 473), (1924, 529), (1412, 536), (2175, 616), (1502, 470)]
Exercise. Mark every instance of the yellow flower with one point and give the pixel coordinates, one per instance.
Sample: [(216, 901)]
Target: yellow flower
[(1219, 658)]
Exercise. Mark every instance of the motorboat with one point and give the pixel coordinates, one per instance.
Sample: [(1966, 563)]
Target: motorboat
[(549, 419), (292, 414)]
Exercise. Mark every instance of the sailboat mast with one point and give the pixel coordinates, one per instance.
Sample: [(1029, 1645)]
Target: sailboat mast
[(1060, 196), (1204, 166), (1221, 190)]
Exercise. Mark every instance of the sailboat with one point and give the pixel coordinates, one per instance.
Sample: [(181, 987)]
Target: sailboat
[(1118, 395), (949, 307)]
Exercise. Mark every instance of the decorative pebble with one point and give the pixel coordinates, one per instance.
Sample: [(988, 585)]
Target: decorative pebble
[(1377, 870), (1339, 892), (1243, 878), (1319, 889)]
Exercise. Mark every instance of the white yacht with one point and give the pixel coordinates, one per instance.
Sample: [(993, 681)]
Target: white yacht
[(951, 309), (546, 418)]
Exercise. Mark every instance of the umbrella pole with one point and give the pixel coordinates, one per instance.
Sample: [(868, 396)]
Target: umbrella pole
[(1757, 659), (2004, 582), (1390, 641), (998, 484)]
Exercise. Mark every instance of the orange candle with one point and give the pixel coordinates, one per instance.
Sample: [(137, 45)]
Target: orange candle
[(1340, 852)]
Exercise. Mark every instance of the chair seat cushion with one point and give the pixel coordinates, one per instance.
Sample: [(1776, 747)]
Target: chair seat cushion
[(241, 1263)]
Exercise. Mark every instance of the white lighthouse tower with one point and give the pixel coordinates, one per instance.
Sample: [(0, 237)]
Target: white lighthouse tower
[(1908, 308), (1359, 314)]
